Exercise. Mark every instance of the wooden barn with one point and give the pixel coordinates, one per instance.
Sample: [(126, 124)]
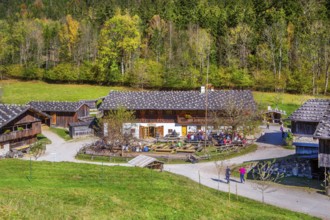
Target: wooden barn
[(322, 133), (305, 119), (312, 120), (160, 113), (62, 113), (19, 125)]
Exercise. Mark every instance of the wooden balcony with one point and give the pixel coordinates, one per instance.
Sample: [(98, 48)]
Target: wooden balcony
[(154, 120), (19, 134), (193, 120)]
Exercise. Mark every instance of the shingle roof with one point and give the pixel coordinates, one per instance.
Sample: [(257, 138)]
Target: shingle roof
[(178, 100), (90, 103), (56, 106), (142, 161), (323, 129), (10, 112), (311, 111)]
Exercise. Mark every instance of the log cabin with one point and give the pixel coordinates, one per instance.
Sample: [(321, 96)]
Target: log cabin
[(63, 113), (322, 133), (19, 125), (160, 113), (305, 119), (309, 123)]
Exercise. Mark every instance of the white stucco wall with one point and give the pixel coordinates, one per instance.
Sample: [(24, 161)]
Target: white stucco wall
[(167, 126)]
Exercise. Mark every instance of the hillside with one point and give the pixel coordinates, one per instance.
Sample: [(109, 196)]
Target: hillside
[(262, 45), (81, 191)]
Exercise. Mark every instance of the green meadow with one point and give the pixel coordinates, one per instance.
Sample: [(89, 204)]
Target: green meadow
[(48, 190), (21, 92)]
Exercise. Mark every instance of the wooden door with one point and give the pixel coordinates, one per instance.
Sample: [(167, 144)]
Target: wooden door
[(143, 132), (184, 131), (53, 121), (160, 131)]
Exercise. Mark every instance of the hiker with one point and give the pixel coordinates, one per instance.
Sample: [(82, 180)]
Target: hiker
[(242, 172), (282, 130), (227, 174)]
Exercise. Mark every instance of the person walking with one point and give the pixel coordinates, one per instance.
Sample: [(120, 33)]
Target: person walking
[(227, 174), (267, 124), (242, 172), (282, 130)]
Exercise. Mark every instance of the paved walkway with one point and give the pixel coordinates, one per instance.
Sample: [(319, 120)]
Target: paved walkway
[(292, 198)]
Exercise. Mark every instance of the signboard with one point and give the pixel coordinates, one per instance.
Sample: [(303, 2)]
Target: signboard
[(324, 160), (324, 153)]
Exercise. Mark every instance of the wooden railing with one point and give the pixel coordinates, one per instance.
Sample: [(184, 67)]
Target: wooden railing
[(155, 120), (19, 134), (192, 120)]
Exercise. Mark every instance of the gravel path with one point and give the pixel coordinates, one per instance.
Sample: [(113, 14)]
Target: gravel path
[(293, 198)]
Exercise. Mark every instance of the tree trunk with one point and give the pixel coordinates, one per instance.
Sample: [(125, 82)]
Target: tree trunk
[(326, 78)]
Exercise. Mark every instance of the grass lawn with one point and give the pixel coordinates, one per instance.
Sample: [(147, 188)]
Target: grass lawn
[(85, 191), (21, 92), (63, 133)]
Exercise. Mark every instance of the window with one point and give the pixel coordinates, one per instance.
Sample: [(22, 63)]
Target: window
[(133, 131)]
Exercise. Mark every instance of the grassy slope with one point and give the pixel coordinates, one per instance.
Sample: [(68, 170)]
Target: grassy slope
[(20, 92), (82, 191), (63, 133)]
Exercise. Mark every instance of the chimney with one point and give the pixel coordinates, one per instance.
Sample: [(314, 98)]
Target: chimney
[(202, 89)]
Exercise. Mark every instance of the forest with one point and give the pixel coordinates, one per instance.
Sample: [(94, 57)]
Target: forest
[(264, 45)]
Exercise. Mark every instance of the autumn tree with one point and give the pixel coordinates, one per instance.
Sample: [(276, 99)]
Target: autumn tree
[(116, 126), (69, 37), (119, 39)]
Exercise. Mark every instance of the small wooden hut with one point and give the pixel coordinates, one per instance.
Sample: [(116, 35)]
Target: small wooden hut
[(274, 115), (82, 128), (148, 162)]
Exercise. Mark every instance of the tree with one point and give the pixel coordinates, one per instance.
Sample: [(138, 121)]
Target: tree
[(119, 40), (116, 126), (69, 36), (37, 149), (156, 34), (265, 174)]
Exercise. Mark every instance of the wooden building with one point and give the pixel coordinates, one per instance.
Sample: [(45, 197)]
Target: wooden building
[(82, 128), (305, 119), (19, 125), (63, 113), (274, 115), (312, 120), (322, 133), (159, 113), (144, 161)]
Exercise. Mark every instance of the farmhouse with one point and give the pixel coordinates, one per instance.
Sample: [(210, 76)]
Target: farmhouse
[(161, 113), (312, 121), (19, 125), (63, 113)]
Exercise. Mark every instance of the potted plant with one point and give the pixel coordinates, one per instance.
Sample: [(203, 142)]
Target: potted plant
[(289, 139), (187, 116)]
